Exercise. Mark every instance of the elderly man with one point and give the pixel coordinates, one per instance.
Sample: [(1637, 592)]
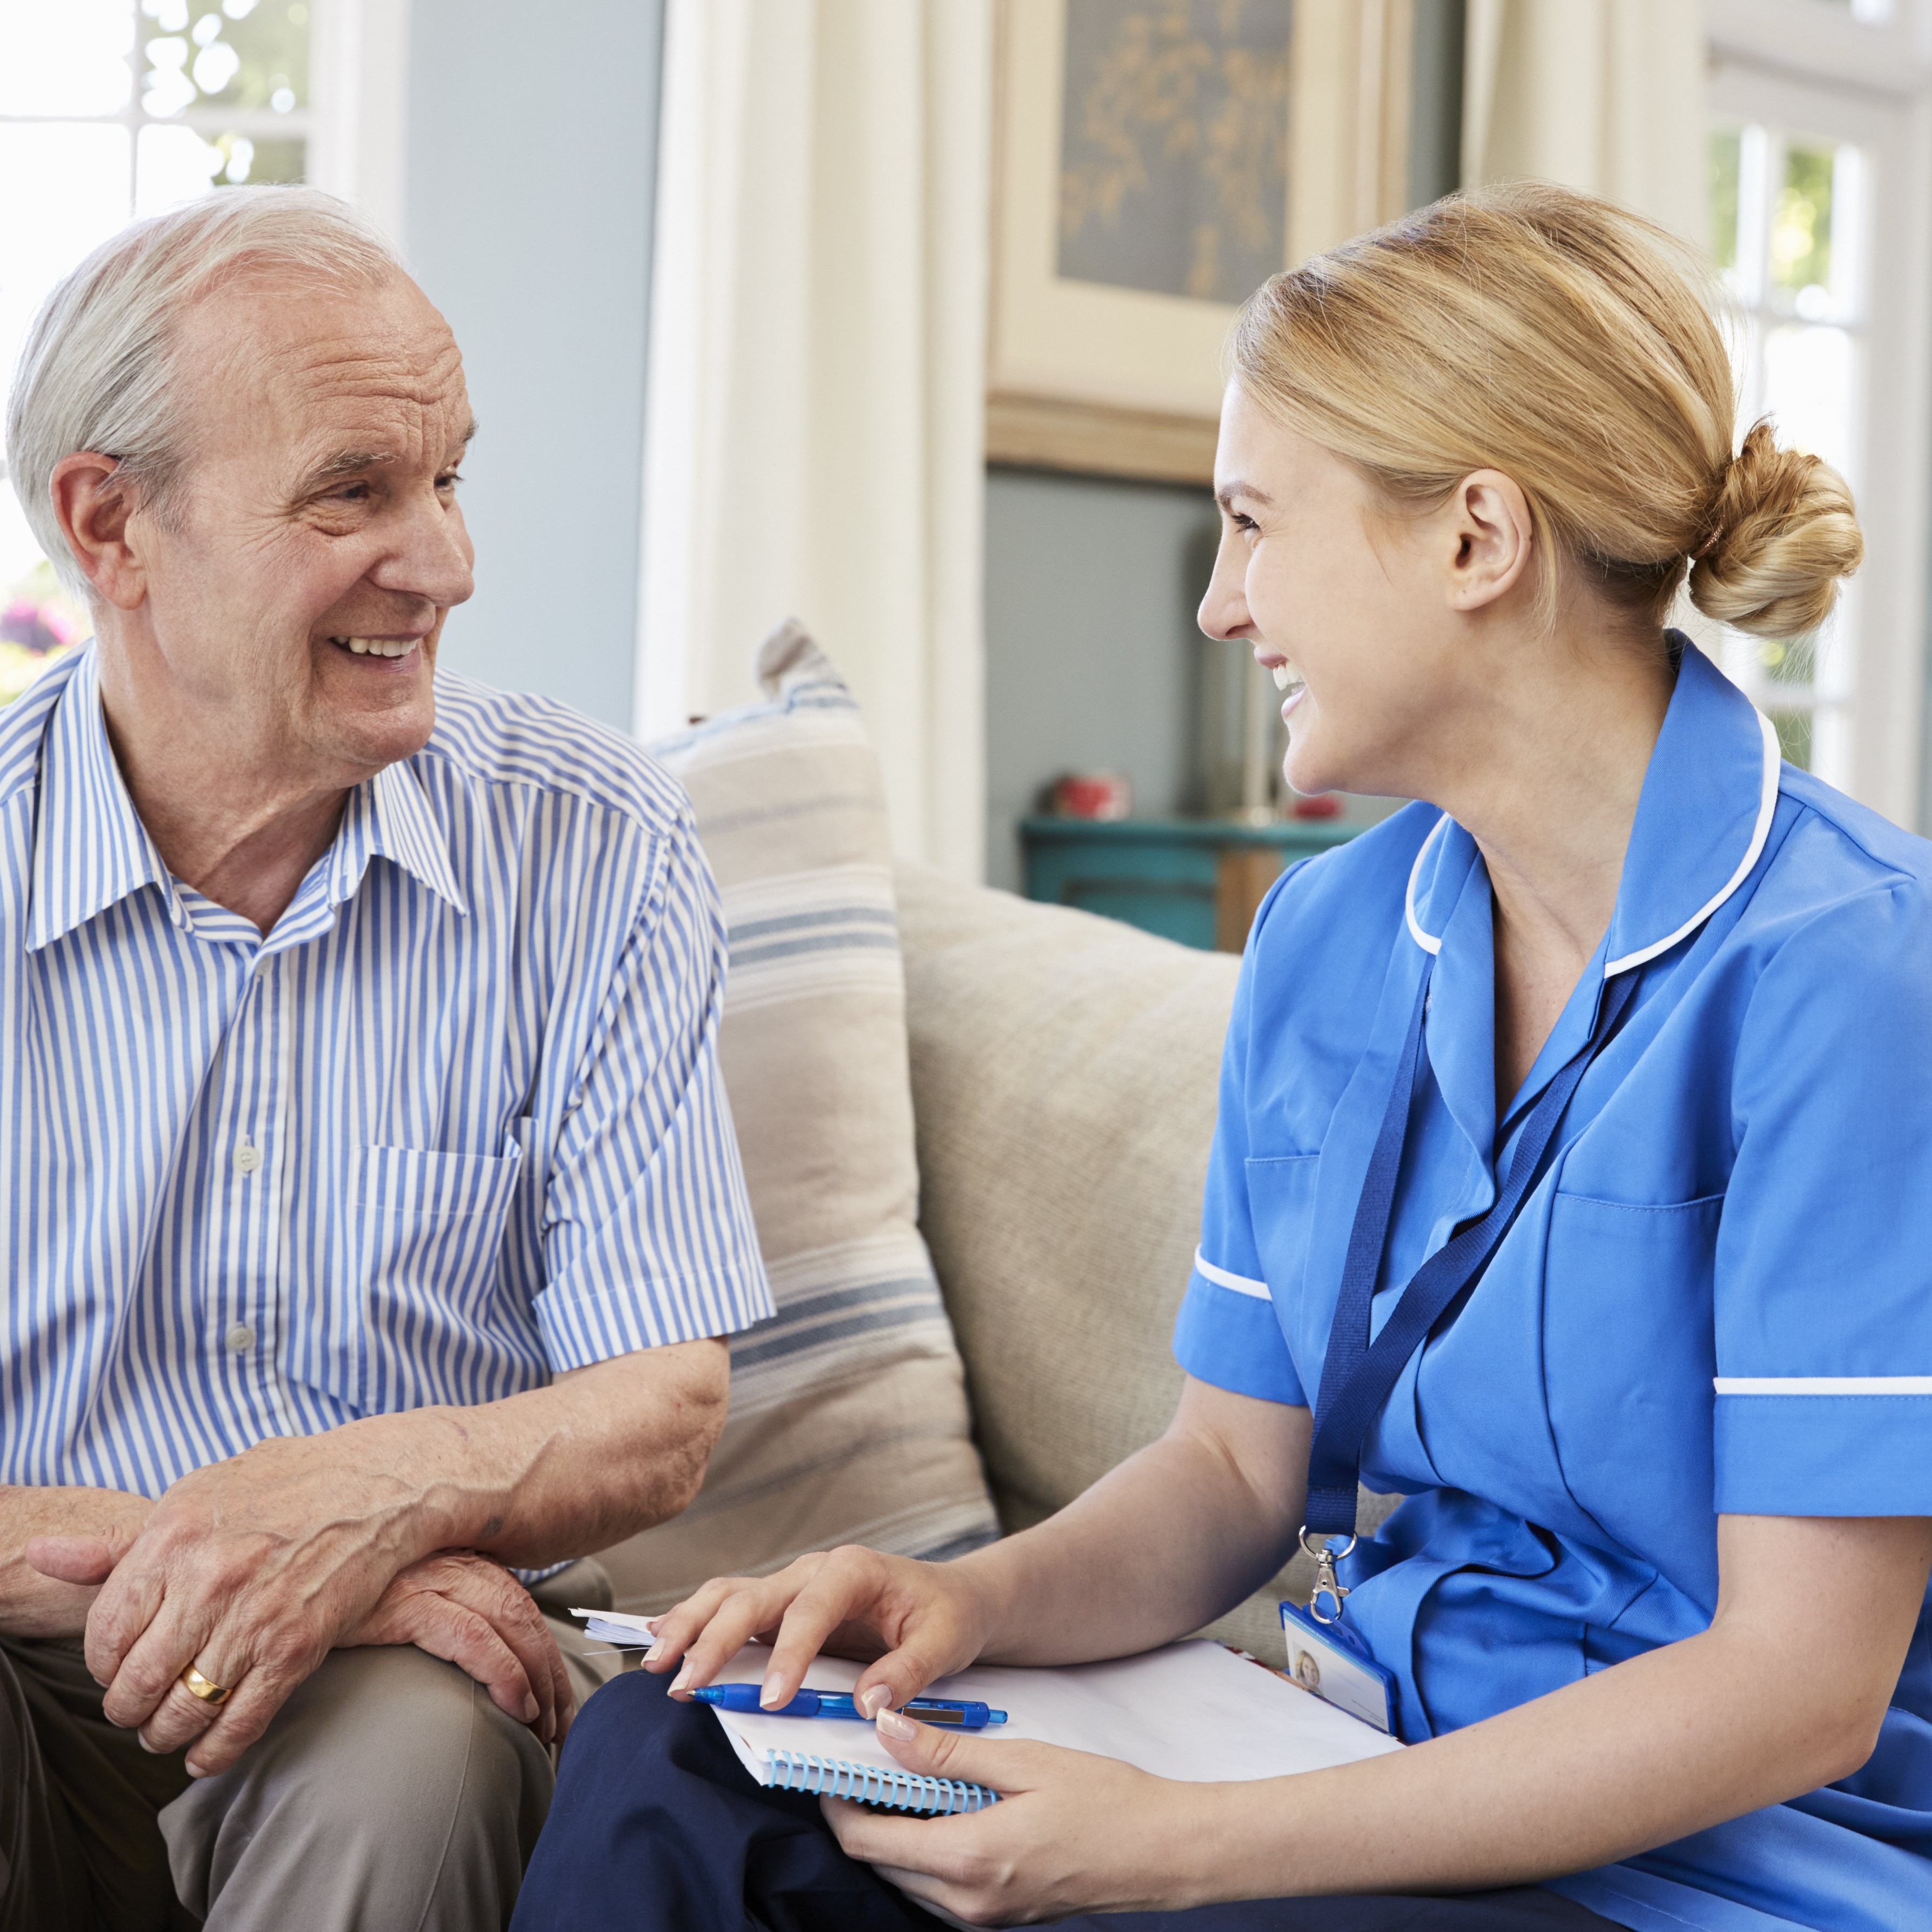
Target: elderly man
[(369, 1202)]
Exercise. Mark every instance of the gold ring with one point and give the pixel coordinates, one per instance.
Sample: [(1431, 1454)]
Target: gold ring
[(206, 1688)]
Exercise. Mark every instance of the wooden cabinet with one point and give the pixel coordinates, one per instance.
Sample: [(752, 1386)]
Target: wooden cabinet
[(1198, 880)]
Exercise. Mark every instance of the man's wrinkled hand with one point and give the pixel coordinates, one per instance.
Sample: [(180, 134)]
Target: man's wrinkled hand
[(251, 1570), (473, 1613)]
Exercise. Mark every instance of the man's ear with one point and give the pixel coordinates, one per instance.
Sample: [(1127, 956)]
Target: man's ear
[(91, 500), (1488, 522)]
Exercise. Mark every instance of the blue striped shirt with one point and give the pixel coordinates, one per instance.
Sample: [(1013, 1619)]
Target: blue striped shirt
[(456, 1123)]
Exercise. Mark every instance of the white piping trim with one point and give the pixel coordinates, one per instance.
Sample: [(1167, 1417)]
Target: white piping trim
[(1767, 804), (1423, 940), (1823, 1385), (1221, 1278)]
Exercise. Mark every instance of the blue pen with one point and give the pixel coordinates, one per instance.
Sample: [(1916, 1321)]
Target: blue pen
[(959, 1713)]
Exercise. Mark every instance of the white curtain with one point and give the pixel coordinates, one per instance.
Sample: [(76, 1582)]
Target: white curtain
[(814, 433), (1605, 95)]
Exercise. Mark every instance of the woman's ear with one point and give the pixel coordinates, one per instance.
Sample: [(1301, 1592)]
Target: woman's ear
[(1493, 537)]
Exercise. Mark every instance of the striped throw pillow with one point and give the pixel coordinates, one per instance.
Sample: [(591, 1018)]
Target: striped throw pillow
[(849, 1419)]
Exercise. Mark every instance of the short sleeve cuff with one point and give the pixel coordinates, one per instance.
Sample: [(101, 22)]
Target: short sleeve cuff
[(1230, 1338), (585, 1325), (1830, 1452)]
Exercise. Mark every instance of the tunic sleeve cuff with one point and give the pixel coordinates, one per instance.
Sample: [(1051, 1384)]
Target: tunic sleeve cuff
[(1824, 1454), (1232, 1340)]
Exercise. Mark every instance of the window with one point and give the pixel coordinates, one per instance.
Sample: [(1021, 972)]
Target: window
[(1821, 227), (1788, 230), (110, 108)]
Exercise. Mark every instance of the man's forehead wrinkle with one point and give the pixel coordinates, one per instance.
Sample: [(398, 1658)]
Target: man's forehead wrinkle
[(351, 369)]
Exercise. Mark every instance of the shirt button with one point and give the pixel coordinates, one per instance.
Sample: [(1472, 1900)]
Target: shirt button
[(240, 1338), (247, 1156)]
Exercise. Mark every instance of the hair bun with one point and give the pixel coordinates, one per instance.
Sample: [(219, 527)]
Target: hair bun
[(1782, 531)]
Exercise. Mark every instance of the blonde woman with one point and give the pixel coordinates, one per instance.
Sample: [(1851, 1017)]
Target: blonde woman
[(1572, 1177)]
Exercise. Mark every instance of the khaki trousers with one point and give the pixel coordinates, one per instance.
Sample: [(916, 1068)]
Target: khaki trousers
[(389, 1795)]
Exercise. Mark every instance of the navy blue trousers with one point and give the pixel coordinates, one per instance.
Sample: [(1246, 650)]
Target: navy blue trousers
[(656, 1825)]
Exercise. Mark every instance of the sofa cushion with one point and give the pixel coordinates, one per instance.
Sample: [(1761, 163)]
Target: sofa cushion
[(848, 1416), (1064, 1073)]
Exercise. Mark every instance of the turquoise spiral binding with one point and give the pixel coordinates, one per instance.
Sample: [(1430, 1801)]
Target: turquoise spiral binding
[(897, 1790)]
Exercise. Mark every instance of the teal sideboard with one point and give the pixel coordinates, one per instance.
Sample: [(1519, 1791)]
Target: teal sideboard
[(1195, 879)]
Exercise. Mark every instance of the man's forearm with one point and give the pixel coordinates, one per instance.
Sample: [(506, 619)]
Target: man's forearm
[(553, 1473), (31, 1604)]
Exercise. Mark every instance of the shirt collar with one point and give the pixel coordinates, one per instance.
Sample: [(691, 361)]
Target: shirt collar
[(91, 849), (390, 815), (1701, 820)]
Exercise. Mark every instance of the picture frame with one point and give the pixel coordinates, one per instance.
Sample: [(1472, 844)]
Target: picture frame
[(1118, 123)]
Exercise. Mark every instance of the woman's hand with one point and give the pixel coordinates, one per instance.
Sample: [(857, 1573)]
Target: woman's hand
[(1071, 1833), (919, 1620)]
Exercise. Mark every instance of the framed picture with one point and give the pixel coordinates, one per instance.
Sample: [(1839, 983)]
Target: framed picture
[(1155, 161)]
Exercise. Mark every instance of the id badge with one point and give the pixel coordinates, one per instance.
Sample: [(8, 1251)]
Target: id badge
[(1334, 1663)]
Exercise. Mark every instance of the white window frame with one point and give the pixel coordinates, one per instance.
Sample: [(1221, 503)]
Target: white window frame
[(359, 94), (355, 121), (1822, 69)]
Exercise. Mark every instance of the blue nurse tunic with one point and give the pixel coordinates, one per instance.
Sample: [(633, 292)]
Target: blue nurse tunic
[(1717, 1300)]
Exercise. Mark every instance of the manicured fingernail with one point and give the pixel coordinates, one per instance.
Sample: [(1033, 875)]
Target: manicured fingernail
[(771, 1693), (530, 1707), (892, 1725), (682, 1677), (875, 1700), (656, 1651)]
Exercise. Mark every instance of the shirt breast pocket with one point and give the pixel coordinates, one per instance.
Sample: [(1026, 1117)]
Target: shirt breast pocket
[(431, 1227)]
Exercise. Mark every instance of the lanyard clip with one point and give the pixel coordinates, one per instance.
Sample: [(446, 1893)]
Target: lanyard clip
[(1326, 1583)]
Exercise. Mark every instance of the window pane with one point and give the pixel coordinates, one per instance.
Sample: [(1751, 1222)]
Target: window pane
[(64, 56), (1800, 230), (1794, 736), (79, 174), (38, 621), (1789, 661), (178, 163), (1807, 389), (1725, 145), (241, 53), (248, 159)]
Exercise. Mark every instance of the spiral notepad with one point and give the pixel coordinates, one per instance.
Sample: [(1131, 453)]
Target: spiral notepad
[(897, 1790), (1194, 1711)]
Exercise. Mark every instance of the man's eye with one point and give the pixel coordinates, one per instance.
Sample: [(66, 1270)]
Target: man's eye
[(351, 493), (449, 479)]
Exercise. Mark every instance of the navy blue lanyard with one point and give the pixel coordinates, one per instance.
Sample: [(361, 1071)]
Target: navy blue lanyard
[(1358, 1374)]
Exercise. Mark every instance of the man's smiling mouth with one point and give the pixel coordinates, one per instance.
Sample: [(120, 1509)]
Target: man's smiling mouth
[(377, 647)]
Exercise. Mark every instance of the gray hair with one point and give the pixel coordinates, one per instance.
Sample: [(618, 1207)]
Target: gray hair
[(98, 371)]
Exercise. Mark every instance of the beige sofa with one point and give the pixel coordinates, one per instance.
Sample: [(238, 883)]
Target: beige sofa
[(1063, 1075)]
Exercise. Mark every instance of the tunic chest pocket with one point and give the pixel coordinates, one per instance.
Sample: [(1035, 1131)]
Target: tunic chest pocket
[(1629, 1354), (431, 1227)]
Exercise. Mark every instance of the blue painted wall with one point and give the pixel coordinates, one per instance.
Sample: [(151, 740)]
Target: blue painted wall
[(532, 169)]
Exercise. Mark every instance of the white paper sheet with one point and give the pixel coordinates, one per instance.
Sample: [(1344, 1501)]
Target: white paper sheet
[(1194, 1711)]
